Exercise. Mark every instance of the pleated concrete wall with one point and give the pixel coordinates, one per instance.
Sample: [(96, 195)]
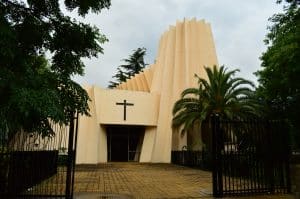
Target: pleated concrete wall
[(139, 82), (183, 51)]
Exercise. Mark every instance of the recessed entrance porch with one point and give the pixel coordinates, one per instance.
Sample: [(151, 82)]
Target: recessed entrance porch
[(124, 143)]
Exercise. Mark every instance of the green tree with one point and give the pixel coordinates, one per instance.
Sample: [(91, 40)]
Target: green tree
[(35, 90), (133, 65), (279, 85), (120, 77), (223, 94)]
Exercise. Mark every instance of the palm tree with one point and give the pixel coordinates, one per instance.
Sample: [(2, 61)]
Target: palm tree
[(223, 94)]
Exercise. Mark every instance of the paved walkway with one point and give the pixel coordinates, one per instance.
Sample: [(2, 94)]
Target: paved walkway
[(133, 180)]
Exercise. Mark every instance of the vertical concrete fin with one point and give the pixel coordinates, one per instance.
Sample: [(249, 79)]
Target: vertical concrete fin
[(183, 51), (144, 82)]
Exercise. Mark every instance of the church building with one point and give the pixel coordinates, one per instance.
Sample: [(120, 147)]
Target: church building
[(133, 122)]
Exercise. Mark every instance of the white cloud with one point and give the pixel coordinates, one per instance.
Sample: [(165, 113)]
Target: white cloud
[(239, 28)]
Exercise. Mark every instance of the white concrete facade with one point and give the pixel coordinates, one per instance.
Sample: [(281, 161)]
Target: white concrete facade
[(183, 51)]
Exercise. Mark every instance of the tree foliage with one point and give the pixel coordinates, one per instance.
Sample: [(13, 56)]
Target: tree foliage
[(119, 78), (35, 90), (133, 65), (279, 85), (223, 94)]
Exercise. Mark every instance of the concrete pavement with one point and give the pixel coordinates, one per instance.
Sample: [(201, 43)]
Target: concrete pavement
[(134, 180)]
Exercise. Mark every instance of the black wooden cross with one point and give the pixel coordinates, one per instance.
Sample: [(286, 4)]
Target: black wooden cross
[(124, 104)]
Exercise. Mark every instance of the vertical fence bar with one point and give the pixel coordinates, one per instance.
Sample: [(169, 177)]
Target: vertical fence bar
[(256, 163), (216, 155), (286, 155), (70, 158), (220, 143), (270, 155), (74, 153)]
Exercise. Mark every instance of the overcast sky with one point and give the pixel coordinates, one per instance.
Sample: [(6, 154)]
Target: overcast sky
[(239, 28)]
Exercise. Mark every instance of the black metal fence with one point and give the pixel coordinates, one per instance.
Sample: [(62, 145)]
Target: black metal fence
[(198, 159), (35, 166), (250, 157)]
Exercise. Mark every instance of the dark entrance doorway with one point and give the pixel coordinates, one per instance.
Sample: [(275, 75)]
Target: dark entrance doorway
[(124, 143)]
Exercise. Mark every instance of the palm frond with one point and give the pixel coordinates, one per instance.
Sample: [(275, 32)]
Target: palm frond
[(221, 93)]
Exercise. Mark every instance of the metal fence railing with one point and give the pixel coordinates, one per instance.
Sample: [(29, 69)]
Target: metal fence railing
[(198, 159), (245, 157), (250, 157), (36, 166)]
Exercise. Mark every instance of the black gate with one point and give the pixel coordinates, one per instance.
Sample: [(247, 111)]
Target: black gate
[(35, 166), (250, 157)]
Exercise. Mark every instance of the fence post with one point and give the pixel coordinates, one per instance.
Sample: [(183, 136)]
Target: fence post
[(74, 153), (285, 134), (270, 168), (70, 159), (217, 170)]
